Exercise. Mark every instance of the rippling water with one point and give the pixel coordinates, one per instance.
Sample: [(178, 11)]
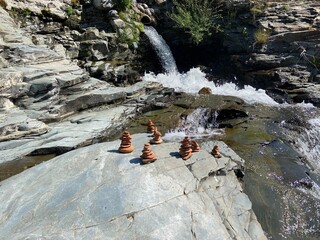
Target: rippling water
[(282, 152)]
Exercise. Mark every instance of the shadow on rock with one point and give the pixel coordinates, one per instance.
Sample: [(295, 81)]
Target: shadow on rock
[(136, 161), (175, 154), (114, 151)]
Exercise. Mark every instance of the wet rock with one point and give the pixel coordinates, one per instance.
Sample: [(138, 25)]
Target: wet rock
[(287, 56), (226, 114), (205, 91)]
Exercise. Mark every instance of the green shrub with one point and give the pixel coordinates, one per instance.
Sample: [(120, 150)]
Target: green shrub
[(257, 8), (196, 17), (122, 5), (130, 34), (26, 12), (69, 10), (261, 36), (315, 61)]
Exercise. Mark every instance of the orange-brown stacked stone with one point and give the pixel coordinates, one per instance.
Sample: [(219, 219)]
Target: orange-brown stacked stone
[(185, 149), (147, 154), (195, 146), (156, 137), (155, 129), (150, 126), (125, 146), (215, 151)]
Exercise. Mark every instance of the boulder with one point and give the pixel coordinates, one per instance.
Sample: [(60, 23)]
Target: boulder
[(103, 4), (96, 192), (56, 8)]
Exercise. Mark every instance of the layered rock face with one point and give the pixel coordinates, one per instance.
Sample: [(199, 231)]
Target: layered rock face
[(287, 60), (96, 192), (52, 103)]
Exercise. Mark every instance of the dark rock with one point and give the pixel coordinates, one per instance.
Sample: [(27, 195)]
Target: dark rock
[(226, 114), (205, 91)]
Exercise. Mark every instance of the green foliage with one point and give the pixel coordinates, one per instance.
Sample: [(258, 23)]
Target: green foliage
[(196, 17), (229, 19), (261, 36), (122, 5), (257, 7), (26, 12), (131, 33), (315, 61), (69, 11)]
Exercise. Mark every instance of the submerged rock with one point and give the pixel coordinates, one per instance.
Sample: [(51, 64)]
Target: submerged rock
[(96, 192)]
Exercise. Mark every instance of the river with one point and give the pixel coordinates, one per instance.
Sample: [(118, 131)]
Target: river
[(280, 143)]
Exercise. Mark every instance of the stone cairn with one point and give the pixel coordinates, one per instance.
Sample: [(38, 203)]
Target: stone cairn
[(125, 146), (215, 151), (195, 146), (147, 154), (156, 137), (155, 129), (185, 149), (150, 126)]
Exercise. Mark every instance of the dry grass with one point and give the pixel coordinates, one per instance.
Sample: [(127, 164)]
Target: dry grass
[(261, 36), (3, 4)]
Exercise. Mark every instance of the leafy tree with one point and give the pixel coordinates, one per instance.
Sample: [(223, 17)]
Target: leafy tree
[(123, 5), (197, 17)]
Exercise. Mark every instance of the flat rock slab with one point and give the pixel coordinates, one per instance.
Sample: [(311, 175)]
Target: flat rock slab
[(71, 133), (97, 193)]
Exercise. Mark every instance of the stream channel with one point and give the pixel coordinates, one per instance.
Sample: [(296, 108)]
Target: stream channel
[(279, 143)]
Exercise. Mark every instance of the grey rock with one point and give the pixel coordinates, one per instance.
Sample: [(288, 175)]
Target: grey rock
[(9, 77), (95, 192), (113, 14), (5, 104), (90, 34), (117, 23), (56, 8), (10, 33), (3, 62), (103, 4), (95, 50)]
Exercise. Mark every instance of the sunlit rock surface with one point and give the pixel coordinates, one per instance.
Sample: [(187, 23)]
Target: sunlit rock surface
[(96, 192)]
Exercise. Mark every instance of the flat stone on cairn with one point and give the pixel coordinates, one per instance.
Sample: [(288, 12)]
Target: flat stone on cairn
[(195, 146), (155, 129), (156, 137), (215, 151), (125, 146), (185, 148), (147, 154), (150, 127)]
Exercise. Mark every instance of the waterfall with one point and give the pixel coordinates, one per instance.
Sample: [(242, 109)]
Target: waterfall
[(192, 81), (163, 51), (201, 123), (308, 142)]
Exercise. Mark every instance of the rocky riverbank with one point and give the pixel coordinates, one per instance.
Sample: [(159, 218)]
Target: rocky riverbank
[(96, 192), (70, 76)]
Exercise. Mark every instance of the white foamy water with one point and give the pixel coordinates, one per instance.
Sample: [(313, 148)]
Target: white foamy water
[(201, 123), (162, 49), (308, 142), (194, 80)]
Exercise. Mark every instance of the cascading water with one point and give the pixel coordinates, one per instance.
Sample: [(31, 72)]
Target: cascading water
[(194, 79), (298, 196), (201, 123), (162, 49)]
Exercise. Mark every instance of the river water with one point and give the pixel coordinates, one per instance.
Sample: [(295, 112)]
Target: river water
[(280, 143)]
